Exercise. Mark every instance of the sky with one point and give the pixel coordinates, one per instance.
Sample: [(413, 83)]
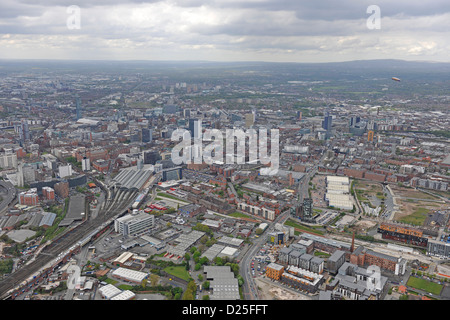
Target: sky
[(226, 30)]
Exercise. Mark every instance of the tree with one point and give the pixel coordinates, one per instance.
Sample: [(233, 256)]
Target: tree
[(204, 260), (240, 280), (189, 294), (197, 254), (204, 239), (154, 279), (218, 261)]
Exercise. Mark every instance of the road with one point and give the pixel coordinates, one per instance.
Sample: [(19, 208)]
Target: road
[(250, 291), (7, 194), (249, 288)]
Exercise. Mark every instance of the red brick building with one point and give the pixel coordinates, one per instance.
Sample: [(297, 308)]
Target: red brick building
[(48, 193), (29, 198), (62, 189)]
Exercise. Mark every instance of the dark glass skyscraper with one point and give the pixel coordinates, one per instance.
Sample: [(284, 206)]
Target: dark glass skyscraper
[(326, 123), (147, 134)]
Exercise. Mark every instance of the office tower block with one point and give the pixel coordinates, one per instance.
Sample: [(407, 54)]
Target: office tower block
[(327, 122), (195, 127), (147, 135)]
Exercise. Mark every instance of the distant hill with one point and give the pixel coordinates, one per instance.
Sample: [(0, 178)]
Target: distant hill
[(359, 69)]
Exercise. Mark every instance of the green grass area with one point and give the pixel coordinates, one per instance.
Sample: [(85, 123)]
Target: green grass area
[(239, 215), (361, 195), (110, 281), (425, 285), (321, 254), (179, 272), (125, 287), (294, 224), (416, 218), (55, 230)]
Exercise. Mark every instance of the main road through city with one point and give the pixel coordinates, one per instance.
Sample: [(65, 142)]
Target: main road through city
[(249, 288), (7, 195)]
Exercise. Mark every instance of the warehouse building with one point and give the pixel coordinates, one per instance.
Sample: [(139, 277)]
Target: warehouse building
[(338, 193), (47, 219), (124, 295), (111, 292), (232, 242), (129, 275), (121, 260), (223, 284), (184, 243)]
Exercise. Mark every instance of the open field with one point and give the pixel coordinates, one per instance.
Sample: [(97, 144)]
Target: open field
[(318, 190), (363, 226), (404, 192), (179, 272), (302, 228), (273, 291), (425, 285), (368, 192), (415, 212), (239, 215)]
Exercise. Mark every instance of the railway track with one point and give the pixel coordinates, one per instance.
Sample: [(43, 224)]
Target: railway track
[(117, 203)]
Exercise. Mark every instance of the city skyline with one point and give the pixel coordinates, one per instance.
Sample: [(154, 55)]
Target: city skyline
[(273, 31)]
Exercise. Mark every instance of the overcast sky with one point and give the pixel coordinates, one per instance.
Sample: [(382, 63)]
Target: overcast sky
[(226, 30)]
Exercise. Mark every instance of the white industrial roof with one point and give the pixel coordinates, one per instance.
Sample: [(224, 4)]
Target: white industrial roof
[(109, 291), (229, 251), (124, 295), (132, 275)]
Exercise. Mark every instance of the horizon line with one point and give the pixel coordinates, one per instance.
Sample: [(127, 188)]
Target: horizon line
[(212, 61)]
